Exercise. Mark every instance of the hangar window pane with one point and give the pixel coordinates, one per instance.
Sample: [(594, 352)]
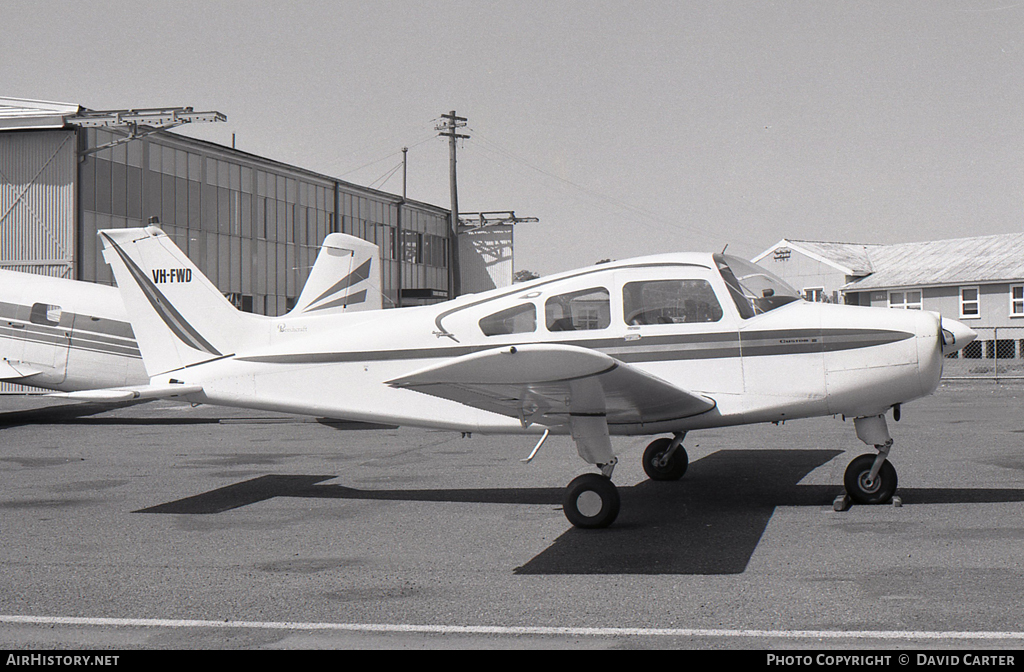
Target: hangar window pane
[(211, 171), (670, 302), (578, 311), (119, 153), (134, 150), (167, 200), (411, 246), (181, 164), (194, 168), (87, 185), (103, 186), (516, 320), (154, 157), (167, 161)]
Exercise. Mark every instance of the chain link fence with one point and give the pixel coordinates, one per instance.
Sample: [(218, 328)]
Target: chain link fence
[(997, 354)]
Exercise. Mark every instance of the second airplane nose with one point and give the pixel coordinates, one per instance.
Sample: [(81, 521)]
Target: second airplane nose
[(955, 335)]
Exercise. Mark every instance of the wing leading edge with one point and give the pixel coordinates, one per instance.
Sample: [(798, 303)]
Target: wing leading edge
[(550, 384)]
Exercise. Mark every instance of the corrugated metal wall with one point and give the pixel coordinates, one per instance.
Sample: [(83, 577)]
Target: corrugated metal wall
[(486, 256), (38, 172), (37, 202)]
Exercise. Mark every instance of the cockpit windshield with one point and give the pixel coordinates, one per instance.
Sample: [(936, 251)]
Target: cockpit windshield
[(753, 289)]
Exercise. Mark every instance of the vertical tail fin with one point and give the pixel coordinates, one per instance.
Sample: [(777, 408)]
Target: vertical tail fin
[(179, 317), (345, 278)]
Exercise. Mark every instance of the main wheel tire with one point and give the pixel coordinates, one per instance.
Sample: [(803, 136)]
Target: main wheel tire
[(591, 501), (672, 471), (862, 489)]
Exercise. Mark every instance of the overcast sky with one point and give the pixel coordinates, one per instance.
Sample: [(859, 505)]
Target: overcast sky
[(627, 127)]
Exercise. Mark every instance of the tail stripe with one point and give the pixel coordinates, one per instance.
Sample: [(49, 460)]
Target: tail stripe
[(355, 277), (178, 325), (350, 300)]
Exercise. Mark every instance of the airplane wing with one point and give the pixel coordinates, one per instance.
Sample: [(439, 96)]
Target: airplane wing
[(550, 384), (167, 391), (11, 370)]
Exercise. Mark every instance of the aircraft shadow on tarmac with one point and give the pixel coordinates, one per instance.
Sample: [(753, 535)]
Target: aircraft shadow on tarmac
[(69, 414), (710, 522), (83, 414)]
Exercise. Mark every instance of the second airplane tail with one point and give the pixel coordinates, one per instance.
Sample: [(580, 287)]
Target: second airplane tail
[(180, 318), (345, 278)]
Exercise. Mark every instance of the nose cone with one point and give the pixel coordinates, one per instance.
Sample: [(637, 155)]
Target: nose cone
[(955, 335)]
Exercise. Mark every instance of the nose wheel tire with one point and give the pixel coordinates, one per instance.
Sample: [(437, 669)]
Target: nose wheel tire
[(865, 490), (591, 501), (657, 468)]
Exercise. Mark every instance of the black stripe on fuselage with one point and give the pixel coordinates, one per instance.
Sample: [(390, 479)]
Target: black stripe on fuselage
[(647, 349), (91, 334)]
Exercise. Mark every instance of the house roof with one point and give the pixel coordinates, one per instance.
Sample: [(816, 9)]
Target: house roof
[(850, 258), (956, 261)]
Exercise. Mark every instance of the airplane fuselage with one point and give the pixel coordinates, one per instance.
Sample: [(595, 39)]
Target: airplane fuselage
[(797, 360), (65, 335)]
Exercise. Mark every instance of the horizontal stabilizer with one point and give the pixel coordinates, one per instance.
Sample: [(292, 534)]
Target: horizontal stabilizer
[(545, 384), (141, 392)]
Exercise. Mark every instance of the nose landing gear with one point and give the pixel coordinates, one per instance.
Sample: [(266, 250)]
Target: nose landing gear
[(871, 479), (868, 484)]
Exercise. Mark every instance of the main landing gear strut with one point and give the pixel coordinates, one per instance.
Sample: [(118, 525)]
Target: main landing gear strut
[(592, 500)]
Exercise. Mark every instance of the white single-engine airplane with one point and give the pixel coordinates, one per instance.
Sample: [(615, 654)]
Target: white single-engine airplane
[(68, 335), (661, 344)]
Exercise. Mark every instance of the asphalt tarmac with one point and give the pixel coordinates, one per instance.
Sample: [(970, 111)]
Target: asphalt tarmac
[(161, 526)]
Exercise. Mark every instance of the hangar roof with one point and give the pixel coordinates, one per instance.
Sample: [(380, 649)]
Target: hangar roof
[(18, 113)]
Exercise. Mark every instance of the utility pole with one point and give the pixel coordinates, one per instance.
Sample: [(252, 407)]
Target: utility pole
[(449, 129), (405, 169)]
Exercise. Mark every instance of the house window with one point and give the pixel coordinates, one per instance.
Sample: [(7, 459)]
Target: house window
[(970, 304), (1016, 300), (814, 294), (908, 300)]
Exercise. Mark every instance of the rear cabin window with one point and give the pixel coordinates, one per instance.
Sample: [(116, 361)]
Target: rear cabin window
[(579, 311), (516, 320), (43, 313), (670, 302)]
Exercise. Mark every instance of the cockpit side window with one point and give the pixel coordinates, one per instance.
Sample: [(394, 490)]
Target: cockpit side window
[(753, 289), (579, 311), (520, 319), (670, 302)]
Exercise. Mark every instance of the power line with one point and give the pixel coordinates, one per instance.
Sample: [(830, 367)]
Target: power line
[(636, 211)]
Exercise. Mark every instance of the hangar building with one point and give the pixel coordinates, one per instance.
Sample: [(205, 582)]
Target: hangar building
[(252, 224)]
